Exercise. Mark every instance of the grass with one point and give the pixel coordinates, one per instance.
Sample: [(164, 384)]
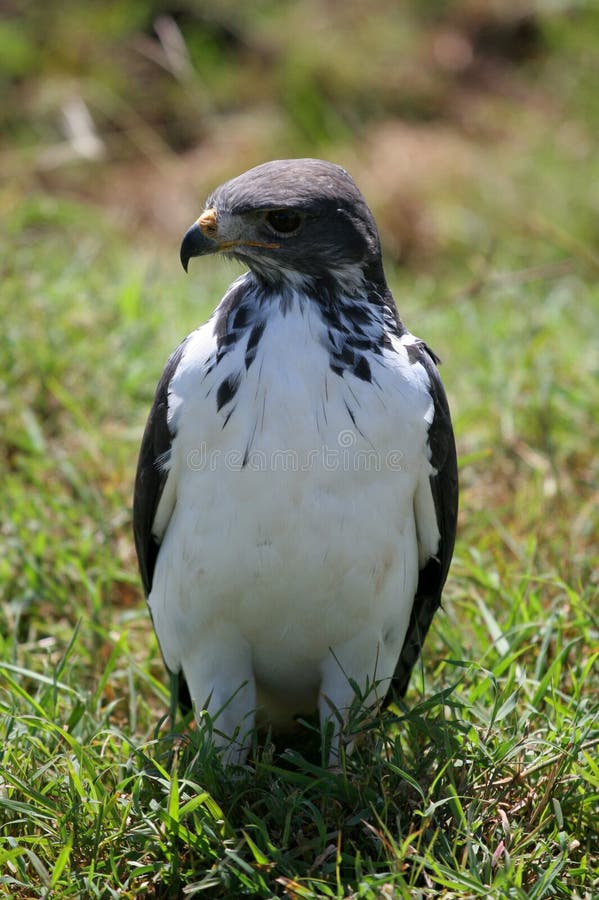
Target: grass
[(485, 783)]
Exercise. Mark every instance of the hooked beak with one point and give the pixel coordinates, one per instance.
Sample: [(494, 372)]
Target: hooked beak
[(200, 238)]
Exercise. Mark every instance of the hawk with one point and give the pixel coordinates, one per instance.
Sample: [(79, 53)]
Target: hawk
[(296, 493)]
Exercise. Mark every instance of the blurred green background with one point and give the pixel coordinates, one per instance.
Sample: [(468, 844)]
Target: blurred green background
[(453, 115)]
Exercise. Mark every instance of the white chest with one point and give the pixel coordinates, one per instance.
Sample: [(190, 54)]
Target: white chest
[(289, 512)]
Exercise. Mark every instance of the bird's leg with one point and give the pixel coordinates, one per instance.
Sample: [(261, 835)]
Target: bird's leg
[(221, 683), (348, 670), (174, 699)]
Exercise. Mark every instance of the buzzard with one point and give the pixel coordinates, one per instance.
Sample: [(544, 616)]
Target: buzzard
[(296, 492)]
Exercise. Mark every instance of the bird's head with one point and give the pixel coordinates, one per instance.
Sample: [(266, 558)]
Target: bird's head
[(291, 221)]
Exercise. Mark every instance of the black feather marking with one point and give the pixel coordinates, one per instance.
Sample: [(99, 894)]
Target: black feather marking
[(347, 355), (229, 414), (227, 340), (240, 317), (362, 369), (227, 390), (351, 414), (253, 341), (419, 351), (208, 368), (338, 370), (364, 343), (359, 314), (231, 302), (414, 352)]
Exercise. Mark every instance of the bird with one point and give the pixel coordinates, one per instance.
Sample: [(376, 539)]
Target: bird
[(296, 492)]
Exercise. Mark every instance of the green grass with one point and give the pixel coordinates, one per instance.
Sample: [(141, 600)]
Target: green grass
[(485, 784)]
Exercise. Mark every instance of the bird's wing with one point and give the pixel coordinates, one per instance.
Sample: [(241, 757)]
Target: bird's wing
[(444, 489), (152, 473)]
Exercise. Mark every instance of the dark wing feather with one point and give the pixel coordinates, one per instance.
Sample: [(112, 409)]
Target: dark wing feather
[(151, 475), (444, 486), (149, 485)]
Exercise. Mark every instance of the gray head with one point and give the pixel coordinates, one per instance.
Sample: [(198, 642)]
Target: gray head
[(294, 220)]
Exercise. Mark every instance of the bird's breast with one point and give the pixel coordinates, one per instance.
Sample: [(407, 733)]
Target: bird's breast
[(294, 498)]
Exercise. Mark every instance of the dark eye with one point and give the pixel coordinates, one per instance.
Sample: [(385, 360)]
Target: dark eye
[(284, 221)]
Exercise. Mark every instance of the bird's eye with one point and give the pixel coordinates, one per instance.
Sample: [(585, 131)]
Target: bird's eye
[(284, 221)]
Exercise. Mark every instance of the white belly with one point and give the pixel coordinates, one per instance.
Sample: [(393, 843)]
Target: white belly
[(310, 547), (296, 564)]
